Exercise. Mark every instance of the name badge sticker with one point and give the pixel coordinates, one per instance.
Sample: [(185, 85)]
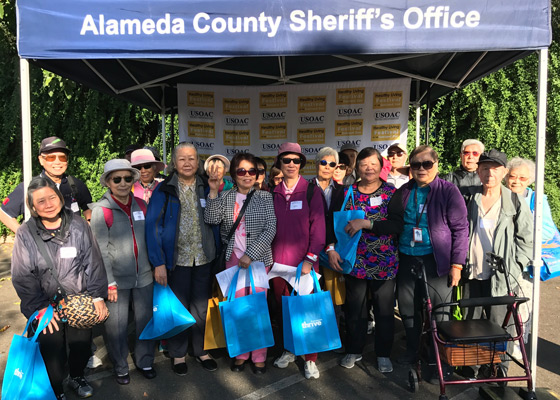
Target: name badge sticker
[(486, 223), (296, 205), (138, 215), (421, 208), (74, 207), (68, 252), (375, 201), (202, 203)]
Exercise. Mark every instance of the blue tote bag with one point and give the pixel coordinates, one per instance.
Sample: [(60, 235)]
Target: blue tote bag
[(170, 316), (26, 377), (346, 245), (309, 320), (246, 320)]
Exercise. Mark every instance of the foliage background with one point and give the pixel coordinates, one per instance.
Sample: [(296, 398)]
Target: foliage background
[(499, 110)]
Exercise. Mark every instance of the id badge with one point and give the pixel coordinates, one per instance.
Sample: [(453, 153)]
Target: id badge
[(416, 236), (375, 201), (202, 203), (138, 215), (74, 207), (296, 205), (68, 252)]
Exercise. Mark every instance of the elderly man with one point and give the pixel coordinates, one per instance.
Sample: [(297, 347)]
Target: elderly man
[(53, 157), (352, 152), (467, 175), (396, 154), (500, 222)]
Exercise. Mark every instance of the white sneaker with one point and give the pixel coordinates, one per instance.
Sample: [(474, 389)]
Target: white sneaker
[(349, 360), (285, 359), (517, 352), (94, 362), (384, 365), (370, 326), (311, 371)]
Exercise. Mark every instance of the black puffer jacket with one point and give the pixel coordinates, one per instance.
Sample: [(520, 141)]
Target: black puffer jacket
[(463, 179), (83, 272)]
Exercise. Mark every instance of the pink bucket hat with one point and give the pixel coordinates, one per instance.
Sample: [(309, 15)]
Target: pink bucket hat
[(145, 156), (290, 148)]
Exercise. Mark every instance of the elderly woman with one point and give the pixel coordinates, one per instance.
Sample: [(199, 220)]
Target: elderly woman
[(253, 236), (376, 262), (118, 223), (78, 266), (181, 248), (500, 223), (435, 236), (274, 178), (221, 165), (300, 233), (261, 177), (326, 162), (340, 170), (145, 162)]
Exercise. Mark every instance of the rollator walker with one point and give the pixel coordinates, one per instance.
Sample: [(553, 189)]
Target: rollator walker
[(473, 342)]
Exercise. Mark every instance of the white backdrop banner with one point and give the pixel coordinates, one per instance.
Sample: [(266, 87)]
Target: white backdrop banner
[(258, 119)]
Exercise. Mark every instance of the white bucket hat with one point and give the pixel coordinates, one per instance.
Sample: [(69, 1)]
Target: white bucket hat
[(117, 164)]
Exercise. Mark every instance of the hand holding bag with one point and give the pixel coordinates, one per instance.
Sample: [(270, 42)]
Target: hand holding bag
[(309, 320), (170, 316), (26, 377), (346, 245), (246, 320)]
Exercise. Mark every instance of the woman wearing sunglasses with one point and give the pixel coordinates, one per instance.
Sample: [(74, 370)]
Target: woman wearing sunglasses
[(435, 235), (145, 162), (118, 224), (253, 236), (300, 233)]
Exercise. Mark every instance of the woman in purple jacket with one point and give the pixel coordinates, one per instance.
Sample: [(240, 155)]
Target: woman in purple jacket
[(300, 233), (435, 235)]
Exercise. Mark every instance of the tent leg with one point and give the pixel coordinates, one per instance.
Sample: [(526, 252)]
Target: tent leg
[(163, 137), (25, 88), (418, 124), (539, 194)]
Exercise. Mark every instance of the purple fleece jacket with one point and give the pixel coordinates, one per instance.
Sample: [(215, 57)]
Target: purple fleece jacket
[(447, 223), (298, 231)]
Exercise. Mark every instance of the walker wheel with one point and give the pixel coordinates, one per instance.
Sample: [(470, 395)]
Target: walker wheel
[(531, 395), (413, 380), (442, 397)]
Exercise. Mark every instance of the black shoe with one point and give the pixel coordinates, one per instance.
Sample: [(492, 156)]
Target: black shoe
[(208, 365), (148, 373), (180, 368), (258, 370), (237, 367), (123, 379)]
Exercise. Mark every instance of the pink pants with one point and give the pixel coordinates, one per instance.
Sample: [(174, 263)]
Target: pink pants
[(257, 356)]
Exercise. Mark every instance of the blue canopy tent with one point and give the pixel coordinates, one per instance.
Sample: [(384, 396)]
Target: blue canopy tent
[(141, 50)]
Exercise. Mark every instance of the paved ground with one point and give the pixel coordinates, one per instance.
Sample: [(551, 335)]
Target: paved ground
[(361, 382)]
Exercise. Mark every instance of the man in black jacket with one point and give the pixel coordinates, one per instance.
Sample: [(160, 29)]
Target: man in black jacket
[(466, 176)]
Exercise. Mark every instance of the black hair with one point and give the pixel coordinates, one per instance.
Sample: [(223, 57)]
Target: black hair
[(368, 152)]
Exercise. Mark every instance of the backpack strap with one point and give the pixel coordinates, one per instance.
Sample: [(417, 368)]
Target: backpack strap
[(73, 186), (141, 204), (108, 215)]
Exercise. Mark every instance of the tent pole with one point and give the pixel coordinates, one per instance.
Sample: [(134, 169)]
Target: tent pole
[(25, 88), (418, 113), (163, 136), (539, 194)]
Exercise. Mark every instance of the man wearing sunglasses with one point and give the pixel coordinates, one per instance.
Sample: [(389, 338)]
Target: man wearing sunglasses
[(53, 157), (396, 154), (466, 176)]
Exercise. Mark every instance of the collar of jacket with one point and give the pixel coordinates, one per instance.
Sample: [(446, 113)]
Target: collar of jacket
[(300, 186), (171, 184), (507, 206), (36, 226)]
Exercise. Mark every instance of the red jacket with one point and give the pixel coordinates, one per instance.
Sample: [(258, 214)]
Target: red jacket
[(300, 227)]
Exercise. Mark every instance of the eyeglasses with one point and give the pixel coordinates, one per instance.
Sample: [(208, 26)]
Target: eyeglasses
[(261, 171), (520, 178), (427, 165), (341, 166), (244, 172), (324, 163), (468, 153), (395, 153), (296, 161), (144, 166), (52, 157), (118, 179)]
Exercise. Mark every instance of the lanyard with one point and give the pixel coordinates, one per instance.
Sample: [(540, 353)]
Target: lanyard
[(418, 216)]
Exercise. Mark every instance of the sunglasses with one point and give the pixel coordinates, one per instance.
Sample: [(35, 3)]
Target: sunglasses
[(427, 165), (296, 161), (144, 166), (261, 171), (52, 157), (324, 163), (118, 179), (468, 153), (244, 172), (277, 180), (341, 166), (395, 153)]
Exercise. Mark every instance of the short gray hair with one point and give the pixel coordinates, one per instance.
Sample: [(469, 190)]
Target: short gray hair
[(182, 145), (517, 162), (470, 142), (326, 151)]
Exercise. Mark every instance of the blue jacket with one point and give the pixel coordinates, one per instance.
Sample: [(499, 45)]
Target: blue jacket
[(162, 223)]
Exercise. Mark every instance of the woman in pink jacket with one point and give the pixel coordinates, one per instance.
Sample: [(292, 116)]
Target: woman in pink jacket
[(300, 233)]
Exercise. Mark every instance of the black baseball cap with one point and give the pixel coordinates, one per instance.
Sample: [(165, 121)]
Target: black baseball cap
[(53, 143), (494, 156)]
